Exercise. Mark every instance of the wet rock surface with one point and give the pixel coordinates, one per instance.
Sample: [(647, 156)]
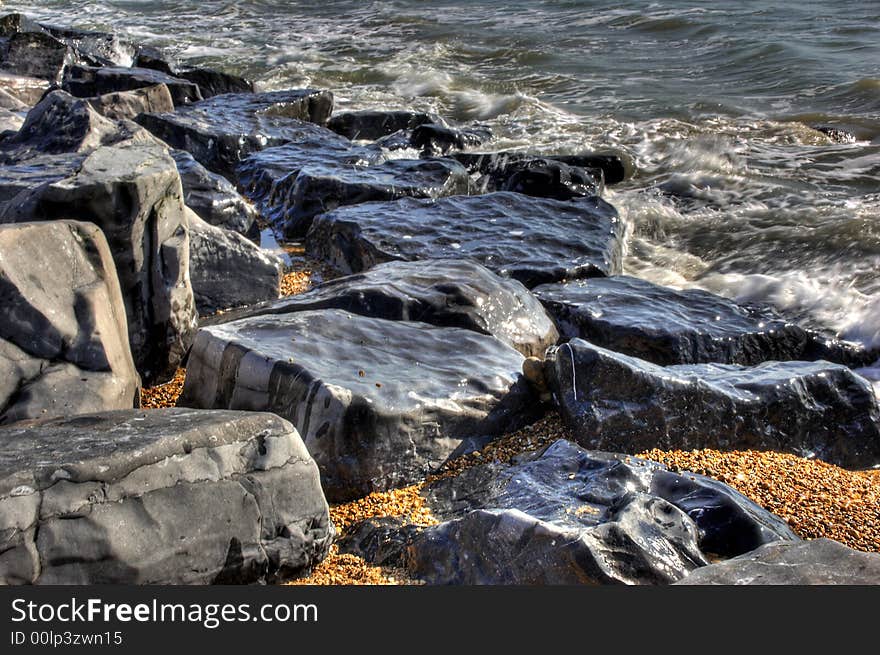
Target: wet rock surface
[(441, 292), (130, 104), (89, 81), (214, 83), (159, 497), (374, 124), (63, 338), (812, 409), (498, 166), (666, 326), (379, 403), (533, 240)]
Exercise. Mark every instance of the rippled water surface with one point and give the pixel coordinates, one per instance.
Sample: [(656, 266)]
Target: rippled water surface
[(735, 192)]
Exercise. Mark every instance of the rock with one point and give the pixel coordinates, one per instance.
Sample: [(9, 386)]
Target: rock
[(546, 178), (10, 121), (221, 131), (228, 270), (616, 402), (533, 240), (666, 326), (446, 293), (26, 90), (30, 172), (213, 83), (63, 336), (372, 124), (129, 104), (565, 515), (836, 134), (132, 191), (214, 198), (433, 139), (88, 81), (95, 48), (615, 166), (166, 497), (149, 57), (10, 103), (316, 189), (379, 403), (16, 23), (816, 562), (34, 54)]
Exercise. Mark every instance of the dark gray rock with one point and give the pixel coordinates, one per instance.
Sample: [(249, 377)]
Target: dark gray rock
[(63, 337), (159, 497), (130, 104), (565, 515), (615, 166), (89, 81), (94, 48), (214, 83), (434, 139), (379, 403), (441, 292), (545, 178), (374, 124), (214, 198), (816, 562), (317, 189), (30, 172), (666, 326), (228, 270), (534, 240), (616, 402), (149, 57), (34, 54), (221, 131)]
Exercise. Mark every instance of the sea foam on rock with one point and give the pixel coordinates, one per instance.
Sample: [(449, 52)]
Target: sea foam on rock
[(169, 496)]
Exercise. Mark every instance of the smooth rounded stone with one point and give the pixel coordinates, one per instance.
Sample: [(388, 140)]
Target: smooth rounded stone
[(318, 189), (89, 81), (565, 515), (615, 166), (34, 54), (379, 403), (221, 131), (27, 90), (129, 104), (170, 496), (214, 198), (810, 409), (374, 124), (214, 83), (434, 139), (666, 326), (815, 562), (63, 336), (132, 191), (227, 269), (441, 292), (533, 240)]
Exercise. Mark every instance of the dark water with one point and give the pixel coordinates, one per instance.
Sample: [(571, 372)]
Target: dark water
[(714, 100)]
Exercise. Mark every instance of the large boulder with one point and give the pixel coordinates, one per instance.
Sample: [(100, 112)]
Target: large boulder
[(371, 124), (34, 54), (534, 240), (565, 515), (221, 131), (63, 336), (159, 497), (497, 167), (130, 104), (214, 83), (816, 562), (442, 292), (379, 403), (93, 47), (132, 191), (667, 326), (89, 81), (227, 269), (811, 409), (437, 139)]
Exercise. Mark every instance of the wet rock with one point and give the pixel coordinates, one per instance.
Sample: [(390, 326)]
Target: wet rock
[(214, 198), (34, 54), (89, 81), (26, 90), (94, 48), (816, 562), (17, 176), (445, 293), (228, 270), (159, 497), (63, 338), (545, 178), (434, 139), (533, 240), (379, 403), (221, 131), (10, 121), (213, 83), (129, 104), (149, 57), (810, 409), (316, 189), (836, 134), (496, 166), (372, 124), (566, 515), (132, 191), (666, 326)]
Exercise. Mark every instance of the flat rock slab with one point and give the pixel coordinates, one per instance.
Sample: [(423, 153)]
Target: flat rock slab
[(566, 515), (89, 81), (533, 240), (379, 403), (667, 326), (810, 409), (169, 496), (816, 562), (221, 131), (441, 292)]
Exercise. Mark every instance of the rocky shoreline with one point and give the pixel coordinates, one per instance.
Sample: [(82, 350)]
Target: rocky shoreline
[(444, 378)]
